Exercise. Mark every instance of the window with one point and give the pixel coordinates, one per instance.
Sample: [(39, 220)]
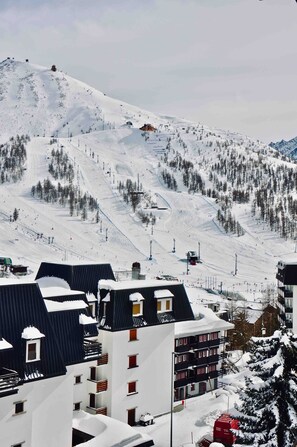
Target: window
[(200, 370), (203, 353), (181, 358), (212, 368), (137, 309), (164, 305), (32, 350), (214, 336), (19, 444), (181, 341), (181, 375), (213, 351), (192, 386), (203, 338), (131, 387), (77, 379), (133, 335), (132, 361), (76, 406), (19, 407)]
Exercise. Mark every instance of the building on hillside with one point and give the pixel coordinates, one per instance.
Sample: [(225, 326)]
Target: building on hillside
[(148, 128), (198, 354), (136, 327), (287, 293), (35, 391)]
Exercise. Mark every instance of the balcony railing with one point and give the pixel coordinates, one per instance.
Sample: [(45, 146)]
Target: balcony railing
[(92, 348), (97, 386), (8, 381), (100, 410), (103, 360), (196, 345), (196, 378)]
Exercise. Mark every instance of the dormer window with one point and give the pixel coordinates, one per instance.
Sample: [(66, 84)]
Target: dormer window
[(33, 343), (137, 304), (164, 300), (33, 351)]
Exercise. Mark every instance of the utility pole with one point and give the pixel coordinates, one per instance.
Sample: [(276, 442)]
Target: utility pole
[(198, 251), (235, 267), (151, 250), (173, 250), (106, 234)]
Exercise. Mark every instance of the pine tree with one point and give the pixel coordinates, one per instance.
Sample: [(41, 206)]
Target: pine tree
[(15, 215), (268, 413)]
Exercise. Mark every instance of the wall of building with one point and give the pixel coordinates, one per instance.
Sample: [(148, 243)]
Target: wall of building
[(152, 375), (47, 417), (81, 390)]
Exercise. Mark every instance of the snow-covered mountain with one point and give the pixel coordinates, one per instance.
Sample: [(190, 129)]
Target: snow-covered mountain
[(42, 102), (157, 194), (288, 148)]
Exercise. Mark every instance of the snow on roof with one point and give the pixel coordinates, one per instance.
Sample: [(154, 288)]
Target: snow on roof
[(136, 297), (84, 319), (52, 281), (31, 333), (91, 297), (109, 284), (57, 291), (162, 293), (207, 322), (107, 298), (4, 345), (107, 432), (55, 306)]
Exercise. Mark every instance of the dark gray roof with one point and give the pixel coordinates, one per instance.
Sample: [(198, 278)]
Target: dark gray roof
[(79, 277), (70, 334), (287, 273), (21, 306), (119, 308)]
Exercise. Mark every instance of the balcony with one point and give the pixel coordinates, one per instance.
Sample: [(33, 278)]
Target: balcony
[(99, 410), (103, 360), (8, 382), (182, 365), (196, 345), (285, 293), (97, 386), (92, 348)]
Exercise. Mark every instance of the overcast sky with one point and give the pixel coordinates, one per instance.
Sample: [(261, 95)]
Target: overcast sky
[(225, 63)]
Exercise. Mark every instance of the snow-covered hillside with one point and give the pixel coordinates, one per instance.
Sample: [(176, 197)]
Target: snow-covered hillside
[(105, 147), (42, 102)]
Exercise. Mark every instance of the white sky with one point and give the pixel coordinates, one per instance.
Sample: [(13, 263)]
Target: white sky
[(225, 63)]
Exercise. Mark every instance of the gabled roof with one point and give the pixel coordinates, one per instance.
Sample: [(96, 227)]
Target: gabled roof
[(119, 305), (79, 277), (21, 307)]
